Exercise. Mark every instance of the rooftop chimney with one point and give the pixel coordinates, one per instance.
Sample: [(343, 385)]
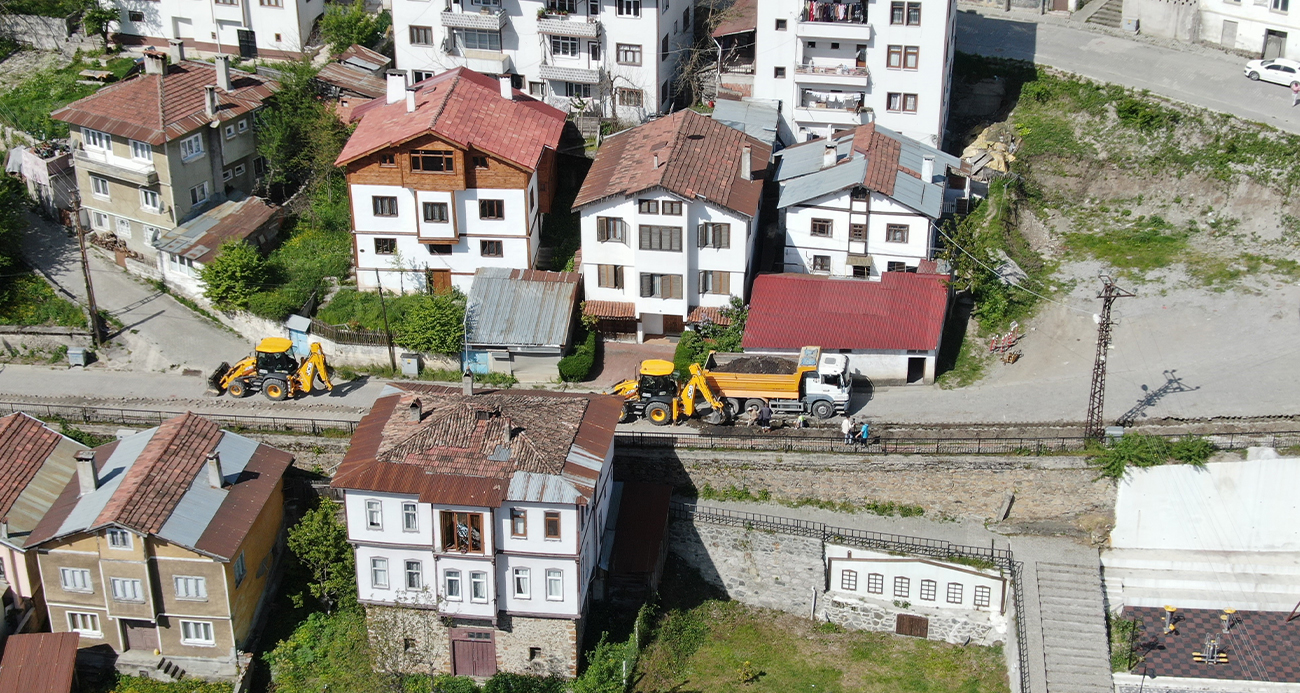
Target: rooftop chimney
[(656, 162), (210, 100), (4, 534), (215, 478), (507, 433), (396, 85), (410, 99), (467, 382), (747, 163), (507, 91), (927, 168), (829, 155), (414, 411), (223, 72), (176, 50), (86, 471), (154, 62)]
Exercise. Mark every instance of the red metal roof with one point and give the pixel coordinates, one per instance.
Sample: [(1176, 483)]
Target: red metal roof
[(465, 108), (902, 311), (25, 443), (39, 663)]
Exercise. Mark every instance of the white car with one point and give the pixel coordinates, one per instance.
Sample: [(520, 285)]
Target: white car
[(1278, 71)]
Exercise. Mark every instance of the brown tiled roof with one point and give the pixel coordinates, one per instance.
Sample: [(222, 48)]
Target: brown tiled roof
[(25, 444), (699, 158), (161, 474), (742, 16), (464, 108), (609, 309), (712, 314), (201, 238), (39, 663), (365, 54), (161, 108), (882, 158)]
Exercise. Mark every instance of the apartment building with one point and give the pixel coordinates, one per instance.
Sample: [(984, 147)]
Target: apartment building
[(447, 176), (276, 29), (670, 214), (617, 57), (1263, 27), (863, 202), (837, 65), (480, 517), (162, 545), (157, 150)]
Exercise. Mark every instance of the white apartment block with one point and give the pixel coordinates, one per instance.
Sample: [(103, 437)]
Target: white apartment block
[(275, 29), (669, 219), (617, 56), (837, 65), (1265, 27)]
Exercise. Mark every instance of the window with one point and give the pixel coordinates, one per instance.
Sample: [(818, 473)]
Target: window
[(780, 25), (480, 40), (821, 227), (379, 573), (191, 147), (537, 89), (518, 523), (240, 569), (671, 207), (410, 520), (897, 12), (902, 587), (821, 263), (715, 282), (388, 160), (462, 532), (982, 595), (99, 186), (714, 235), (99, 220), (451, 585), (663, 48), (227, 2), (438, 249), (564, 46), (480, 162), (75, 579), (490, 249), (574, 90), (523, 586), (435, 212), (433, 161), (611, 229), (954, 592), (849, 580), (663, 92), (661, 285), (896, 233), (418, 76), (648, 206), (384, 246), (271, 3), (609, 276), (239, 170), (858, 232), (894, 61), (98, 140), (227, 174), (141, 151), (554, 584), (243, 124), (126, 590), (414, 575), (911, 57), (230, 131), (875, 583), (552, 525), (374, 508), (628, 8), (124, 227), (1280, 5), (259, 166), (913, 14), (199, 193), (566, 6), (628, 54), (197, 633), (928, 588), (661, 238), (383, 205), (686, 20), (491, 209), (903, 103), (86, 624), (189, 587), (478, 587), (895, 266), (119, 538), (134, 16), (778, 72), (421, 36)]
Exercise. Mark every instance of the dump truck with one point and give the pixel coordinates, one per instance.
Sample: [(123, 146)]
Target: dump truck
[(657, 396), (274, 370), (814, 383)]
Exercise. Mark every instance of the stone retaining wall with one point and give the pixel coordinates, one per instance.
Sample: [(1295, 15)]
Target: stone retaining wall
[(418, 641)]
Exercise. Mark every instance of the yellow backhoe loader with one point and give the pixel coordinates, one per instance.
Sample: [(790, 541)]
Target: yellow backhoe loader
[(272, 368), (658, 396)]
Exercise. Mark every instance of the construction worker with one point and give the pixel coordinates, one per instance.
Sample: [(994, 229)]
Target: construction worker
[(846, 427), (866, 432)]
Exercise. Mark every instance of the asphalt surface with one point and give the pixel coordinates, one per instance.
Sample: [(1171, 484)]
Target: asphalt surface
[(1193, 74)]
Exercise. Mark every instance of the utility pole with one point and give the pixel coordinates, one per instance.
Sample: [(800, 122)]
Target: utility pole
[(95, 334), (1093, 429), (392, 357)]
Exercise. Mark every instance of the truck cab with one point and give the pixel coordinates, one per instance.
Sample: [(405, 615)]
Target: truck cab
[(831, 380)]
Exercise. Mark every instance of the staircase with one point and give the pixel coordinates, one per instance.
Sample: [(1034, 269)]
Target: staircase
[(1110, 14), (1076, 653), (169, 668), (1253, 581)]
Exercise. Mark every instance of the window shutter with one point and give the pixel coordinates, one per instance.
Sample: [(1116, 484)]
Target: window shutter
[(724, 237), (676, 283), (704, 282), (618, 276), (647, 285), (644, 237), (724, 282), (602, 230), (703, 235), (677, 238), (602, 275)]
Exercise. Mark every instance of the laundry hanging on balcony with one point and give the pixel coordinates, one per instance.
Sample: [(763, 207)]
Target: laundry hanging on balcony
[(816, 11)]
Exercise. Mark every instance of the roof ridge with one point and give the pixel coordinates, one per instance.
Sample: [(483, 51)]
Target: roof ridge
[(455, 82)]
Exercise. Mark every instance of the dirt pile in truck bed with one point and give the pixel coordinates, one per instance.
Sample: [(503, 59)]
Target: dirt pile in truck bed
[(758, 364)]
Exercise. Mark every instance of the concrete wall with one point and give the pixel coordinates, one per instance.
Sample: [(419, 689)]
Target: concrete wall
[(1176, 19), (1253, 18), (45, 33)]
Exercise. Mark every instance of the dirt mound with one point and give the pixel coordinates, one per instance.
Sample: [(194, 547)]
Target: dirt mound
[(758, 364)]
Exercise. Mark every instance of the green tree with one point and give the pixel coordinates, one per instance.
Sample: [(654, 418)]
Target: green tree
[(97, 20), (298, 133), (604, 672), (320, 542), (232, 278), (344, 25), (436, 324)]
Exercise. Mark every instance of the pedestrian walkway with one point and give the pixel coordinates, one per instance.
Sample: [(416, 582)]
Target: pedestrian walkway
[(1076, 654)]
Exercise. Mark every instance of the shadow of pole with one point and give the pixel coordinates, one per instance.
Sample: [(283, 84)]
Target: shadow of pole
[(1173, 384)]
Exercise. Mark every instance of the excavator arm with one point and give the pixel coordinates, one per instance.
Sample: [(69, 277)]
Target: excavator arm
[(698, 386), (312, 367)]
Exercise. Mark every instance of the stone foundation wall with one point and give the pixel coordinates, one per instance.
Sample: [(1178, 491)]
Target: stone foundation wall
[(557, 640), (980, 627), (413, 640)]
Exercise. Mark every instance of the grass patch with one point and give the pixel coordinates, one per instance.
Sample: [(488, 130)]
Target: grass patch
[(1143, 245), (1124, 635), (362, 310), (742, 494), (27, 107), (299, 266), (972, 361), (28, 300), (437, 375), (90, 440)]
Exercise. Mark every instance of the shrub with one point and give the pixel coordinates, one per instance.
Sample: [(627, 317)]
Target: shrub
[(691, 348), (604, 672), (1144, 115), (344, 25), (504, 682), (232, 278), (1193, 450), (135, 684), (1131, 450), (276, 305), (320, 542), (444, 683), (434, 324), (576, 366), (326, 652)]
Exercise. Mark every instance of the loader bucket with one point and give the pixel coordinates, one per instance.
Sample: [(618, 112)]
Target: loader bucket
[(214, 380)]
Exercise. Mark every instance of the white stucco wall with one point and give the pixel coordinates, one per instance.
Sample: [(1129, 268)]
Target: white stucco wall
[(915, 570), (879, 212)]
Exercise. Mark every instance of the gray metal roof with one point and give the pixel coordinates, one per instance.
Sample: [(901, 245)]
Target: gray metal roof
[(803, 159), (41, 492), (110, 477), (912, 153), (819, 182), (754, 118), (520, 308), (200, 504), (541, 488), (914, 193)]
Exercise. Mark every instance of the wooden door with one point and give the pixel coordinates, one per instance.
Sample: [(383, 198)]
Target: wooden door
[(473, 653), (915, 626), (140, 635), (438, 281), (674, 324)]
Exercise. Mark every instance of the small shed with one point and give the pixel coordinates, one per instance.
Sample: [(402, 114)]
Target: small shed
[(520, 322), (184, 250)]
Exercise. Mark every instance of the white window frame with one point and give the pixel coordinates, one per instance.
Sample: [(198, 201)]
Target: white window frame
[(478, 579), (68, 578), (192, 148), (99, 187), (239, 169), (202, 629), (98, 220), (227, 175), (199, 193), (522, 583), (94, 139), (190, 587), (554, 585), (118, 538), (566, 47), (90, 626), (410, 517), (126, 589), (417, 573), (628, 8), (449, 578), (230, 132), (141, 151), (379, 573), (374, 514), (145, 195), (243, 125)]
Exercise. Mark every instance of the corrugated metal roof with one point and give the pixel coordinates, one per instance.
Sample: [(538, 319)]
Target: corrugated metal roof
[(201, 502), (111, 472), (754, 118), (41, 492), (742, 16), (364, 58), (354, 79), (235, 219), (25, 444), (39, 663), (822, 182), (520, 308), (541, 488)]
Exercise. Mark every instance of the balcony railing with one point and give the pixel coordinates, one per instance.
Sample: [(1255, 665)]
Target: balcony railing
[(832, 70), (836, 12), (486, 19), (833, 101), (123, 168), (568, 25)]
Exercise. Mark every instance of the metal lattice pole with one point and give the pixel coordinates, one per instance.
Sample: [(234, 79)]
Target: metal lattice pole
[(1093, 429)]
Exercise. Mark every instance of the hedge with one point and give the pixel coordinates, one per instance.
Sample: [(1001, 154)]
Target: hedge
[(577, 365)]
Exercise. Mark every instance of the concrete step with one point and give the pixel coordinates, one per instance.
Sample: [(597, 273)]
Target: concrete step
[(1075, 651), (1111, 14), (1267, 562), (1207, 599)]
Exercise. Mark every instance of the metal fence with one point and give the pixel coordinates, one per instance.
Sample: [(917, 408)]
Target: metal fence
[(149, 417), (881, 541)]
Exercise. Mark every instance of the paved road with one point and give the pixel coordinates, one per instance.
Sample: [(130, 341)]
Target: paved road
[(1194, 74)]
